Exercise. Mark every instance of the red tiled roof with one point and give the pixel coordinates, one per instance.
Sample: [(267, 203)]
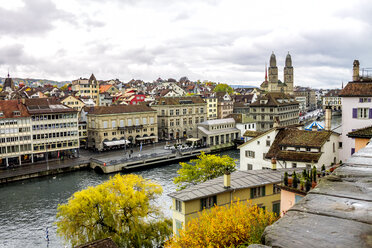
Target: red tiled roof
[(7, 107), (357, 89)]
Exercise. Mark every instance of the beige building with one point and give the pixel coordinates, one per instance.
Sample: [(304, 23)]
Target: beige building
[(274, 106), (212, 103), (73, 102), (178, 116), (225, 105), (258, 186), (115, 126), (87, 88)]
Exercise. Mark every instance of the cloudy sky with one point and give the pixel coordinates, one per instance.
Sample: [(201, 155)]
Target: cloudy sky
[(219, 40)]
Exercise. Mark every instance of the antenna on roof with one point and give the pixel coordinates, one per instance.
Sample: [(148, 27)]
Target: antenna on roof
[(8, 73)]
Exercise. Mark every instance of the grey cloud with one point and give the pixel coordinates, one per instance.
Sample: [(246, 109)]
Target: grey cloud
[(37, 16), (13, 55)]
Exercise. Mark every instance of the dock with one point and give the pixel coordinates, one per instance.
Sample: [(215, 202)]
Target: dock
[(105, 163)]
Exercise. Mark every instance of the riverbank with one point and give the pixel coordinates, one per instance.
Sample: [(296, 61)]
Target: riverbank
[(107, 162)]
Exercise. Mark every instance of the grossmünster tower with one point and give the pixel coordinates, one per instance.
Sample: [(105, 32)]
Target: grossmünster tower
[(273, 84)]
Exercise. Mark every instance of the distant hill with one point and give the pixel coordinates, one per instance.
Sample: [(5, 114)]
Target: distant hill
[(242, 86), (32, 81)]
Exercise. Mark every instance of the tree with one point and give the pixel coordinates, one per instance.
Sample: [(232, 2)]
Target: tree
[(64, 87), (225, 226), (206, 167), (223, 88), (121, 208)]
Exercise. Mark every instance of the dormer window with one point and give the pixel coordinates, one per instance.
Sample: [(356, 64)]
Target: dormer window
[(1, 113), (16, 113)]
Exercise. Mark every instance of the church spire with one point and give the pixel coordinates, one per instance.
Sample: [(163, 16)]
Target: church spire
[(265, 72)]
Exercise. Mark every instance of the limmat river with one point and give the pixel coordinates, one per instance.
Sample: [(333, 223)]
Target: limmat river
[(28, 207)]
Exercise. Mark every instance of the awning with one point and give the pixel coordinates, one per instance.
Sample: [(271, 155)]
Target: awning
[(148, 137), (192, 139), (116, 142)]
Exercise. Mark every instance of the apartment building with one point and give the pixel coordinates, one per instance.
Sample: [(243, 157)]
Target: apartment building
[(119, 125), (87, 88), (212, 103), (333, 100), (54, 129), (225, 105), (36, 129), (15, 134), (178, 116), (274, 106)]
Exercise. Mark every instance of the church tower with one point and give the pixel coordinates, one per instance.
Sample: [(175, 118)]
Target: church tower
[(273, 73), (288, 74)]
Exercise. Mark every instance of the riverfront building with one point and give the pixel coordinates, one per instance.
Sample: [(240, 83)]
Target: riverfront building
[(178, 116), (219, 132), (257, 186), (211, 107), (118, 125), (36, 129)]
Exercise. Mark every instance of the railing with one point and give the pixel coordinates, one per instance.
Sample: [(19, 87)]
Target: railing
[(130, 127)]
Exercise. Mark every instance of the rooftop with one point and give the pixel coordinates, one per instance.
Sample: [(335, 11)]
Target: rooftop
[(239, 180), (179, 100), (275, 100), (336, 213), (118, 109), (218, 121), (357, 89), (361, 133)]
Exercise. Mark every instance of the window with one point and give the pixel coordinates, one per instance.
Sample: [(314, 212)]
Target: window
[(144, 121), (162, 112), (208, 202), (137, 121), (249, 154), (151, 120), (184, 111), (178, 206), (171, 112), (276, 208), (258, 192), (113, 124), (258, 142), (250, 166), (104, 134), (121, 123), (339, 144), (361, 113), (267, 142), (178, 226), (276, 189), (294, 165), (177, 112), (105, 124), (130, 122), (365, 99), (334, 147)]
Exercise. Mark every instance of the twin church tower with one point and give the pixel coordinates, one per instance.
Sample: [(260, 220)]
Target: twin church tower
[(274, 84)]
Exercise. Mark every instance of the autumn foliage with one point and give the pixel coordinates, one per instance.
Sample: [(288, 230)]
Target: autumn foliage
[(232, 226), (121, 208)]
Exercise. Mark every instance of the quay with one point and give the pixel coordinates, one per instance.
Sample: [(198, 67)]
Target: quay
[(108, 162)]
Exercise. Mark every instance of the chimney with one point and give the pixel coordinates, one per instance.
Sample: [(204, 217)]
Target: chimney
[(273, 163), (227, 179), (356, 70), (328, 117)]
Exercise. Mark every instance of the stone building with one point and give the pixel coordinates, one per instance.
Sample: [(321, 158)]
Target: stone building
[(212, 103), (333, 100), (309, 94), (274, 84), (118, 125), (87, 88), (273, 106), (178, 116)]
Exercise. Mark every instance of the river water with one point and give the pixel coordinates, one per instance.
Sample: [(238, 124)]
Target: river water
[(28, 207)]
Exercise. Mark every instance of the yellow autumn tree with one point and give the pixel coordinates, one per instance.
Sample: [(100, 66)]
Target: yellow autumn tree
[(238, 224), (121, 208)]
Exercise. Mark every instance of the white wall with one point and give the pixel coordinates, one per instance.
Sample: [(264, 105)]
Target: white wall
[(348, 124), (257, 162)]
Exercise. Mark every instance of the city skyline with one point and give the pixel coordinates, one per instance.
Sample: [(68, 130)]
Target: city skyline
[(216, 40)]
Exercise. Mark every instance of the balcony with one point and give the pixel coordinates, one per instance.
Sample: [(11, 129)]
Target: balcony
[(131, 127)]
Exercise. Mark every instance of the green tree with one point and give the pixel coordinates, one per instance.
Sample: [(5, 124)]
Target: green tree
[(223, 88), (206, 167), (121, 208), (64, 87), (236, 225)]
